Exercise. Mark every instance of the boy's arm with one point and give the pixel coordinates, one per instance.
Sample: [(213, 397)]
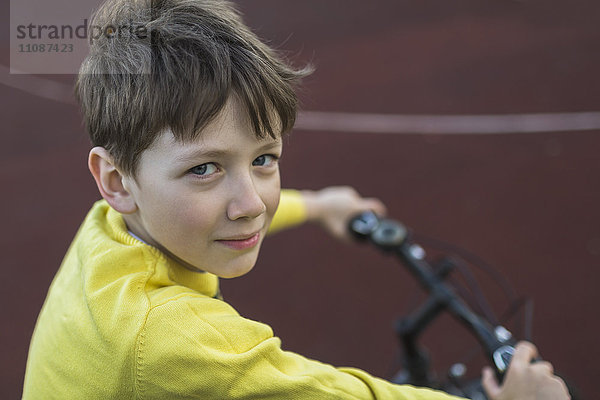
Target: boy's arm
[(331, 208), (291, 211), (199, 347)]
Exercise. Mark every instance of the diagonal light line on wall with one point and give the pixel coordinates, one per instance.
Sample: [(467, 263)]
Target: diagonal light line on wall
[(448, 124), (37, 86)]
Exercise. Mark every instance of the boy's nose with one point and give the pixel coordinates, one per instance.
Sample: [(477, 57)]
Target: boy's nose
[(245, 201)]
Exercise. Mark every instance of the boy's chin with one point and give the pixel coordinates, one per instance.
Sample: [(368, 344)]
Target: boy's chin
[(237, 268), (234, 273)]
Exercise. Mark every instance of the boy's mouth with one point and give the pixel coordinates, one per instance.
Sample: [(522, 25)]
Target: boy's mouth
[(241, 242)]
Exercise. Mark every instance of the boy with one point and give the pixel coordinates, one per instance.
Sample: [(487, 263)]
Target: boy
[(185, 157)]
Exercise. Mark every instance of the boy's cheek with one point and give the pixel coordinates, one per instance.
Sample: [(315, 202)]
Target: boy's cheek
[(272, 200)]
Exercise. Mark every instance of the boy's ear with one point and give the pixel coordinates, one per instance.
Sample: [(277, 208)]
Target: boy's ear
[(110, 181)]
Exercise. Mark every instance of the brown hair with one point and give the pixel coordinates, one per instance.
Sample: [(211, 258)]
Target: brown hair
[(176, 67)]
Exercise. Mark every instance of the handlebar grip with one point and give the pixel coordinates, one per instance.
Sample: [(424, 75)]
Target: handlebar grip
[(502, 357), (363, 224), (385, 233)]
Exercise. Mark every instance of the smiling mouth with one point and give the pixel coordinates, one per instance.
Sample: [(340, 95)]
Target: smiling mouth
[(241, 243)]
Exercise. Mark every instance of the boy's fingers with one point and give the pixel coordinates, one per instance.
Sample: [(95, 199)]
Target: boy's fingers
[(563, 386), (544, 366), (376, 205), (524, 353), (489, 383)]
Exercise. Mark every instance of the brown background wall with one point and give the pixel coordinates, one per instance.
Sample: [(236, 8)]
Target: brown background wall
[(525, 203)]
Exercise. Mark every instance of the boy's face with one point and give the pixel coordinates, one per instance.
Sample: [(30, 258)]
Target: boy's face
[(208, 203)]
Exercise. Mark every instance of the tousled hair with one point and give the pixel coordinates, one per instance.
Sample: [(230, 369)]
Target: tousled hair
[(173, 64)]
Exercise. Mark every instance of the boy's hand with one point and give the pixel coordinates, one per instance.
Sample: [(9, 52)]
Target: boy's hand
[(333, 207), (524, 380)]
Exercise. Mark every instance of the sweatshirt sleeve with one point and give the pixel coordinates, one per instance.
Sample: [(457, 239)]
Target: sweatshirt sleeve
[(291, 211), (200, 348)]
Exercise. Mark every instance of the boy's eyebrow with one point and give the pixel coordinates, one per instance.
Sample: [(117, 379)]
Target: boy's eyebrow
[(270, 146), (220, 153)]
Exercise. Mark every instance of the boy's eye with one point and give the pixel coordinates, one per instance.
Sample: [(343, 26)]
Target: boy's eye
[(204, 169), (266, 160)]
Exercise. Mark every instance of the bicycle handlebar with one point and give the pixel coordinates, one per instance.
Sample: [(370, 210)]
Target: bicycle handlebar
[(392, 236)]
